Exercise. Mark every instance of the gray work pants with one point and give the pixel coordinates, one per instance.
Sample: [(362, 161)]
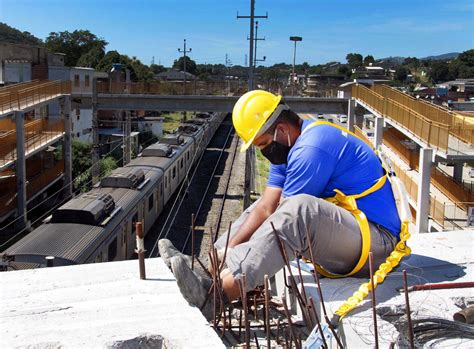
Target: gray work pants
[(334, 233)]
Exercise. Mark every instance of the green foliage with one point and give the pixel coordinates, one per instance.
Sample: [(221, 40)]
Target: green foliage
[(91, 58), (401, 74), (82, 163), (81, 157), (467, 58), (369, 59), (74, 44), (15, 36), (354, 60), (190, 65), (157, 68)]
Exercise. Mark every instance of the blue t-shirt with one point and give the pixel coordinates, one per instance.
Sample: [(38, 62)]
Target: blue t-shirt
[(325, 158)]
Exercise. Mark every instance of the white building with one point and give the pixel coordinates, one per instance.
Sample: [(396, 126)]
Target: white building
[(81, 119)]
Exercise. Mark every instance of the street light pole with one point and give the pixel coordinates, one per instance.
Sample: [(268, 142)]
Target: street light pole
[(295, 39)]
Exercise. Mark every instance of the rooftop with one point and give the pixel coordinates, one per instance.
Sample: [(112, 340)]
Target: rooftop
[(97, 306)]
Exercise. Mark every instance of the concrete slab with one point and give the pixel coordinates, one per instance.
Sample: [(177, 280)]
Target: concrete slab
[(99, 305), (436, 258)]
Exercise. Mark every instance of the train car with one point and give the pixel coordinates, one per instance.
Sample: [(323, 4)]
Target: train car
[(99, 225)]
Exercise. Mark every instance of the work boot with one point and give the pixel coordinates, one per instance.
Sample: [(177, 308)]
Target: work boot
[(193, 287), (167, 250)]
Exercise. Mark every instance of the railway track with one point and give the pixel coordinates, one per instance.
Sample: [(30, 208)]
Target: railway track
[(205, 197)]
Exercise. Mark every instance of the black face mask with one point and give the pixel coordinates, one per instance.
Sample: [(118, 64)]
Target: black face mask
[(275, 152)]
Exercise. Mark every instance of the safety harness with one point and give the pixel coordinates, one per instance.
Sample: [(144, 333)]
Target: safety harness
[(349, 203)]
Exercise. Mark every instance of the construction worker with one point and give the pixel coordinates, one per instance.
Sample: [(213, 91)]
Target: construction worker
[(323, 180)]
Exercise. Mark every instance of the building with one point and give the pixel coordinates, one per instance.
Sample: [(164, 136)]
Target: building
[(175, 75), (21, 63)]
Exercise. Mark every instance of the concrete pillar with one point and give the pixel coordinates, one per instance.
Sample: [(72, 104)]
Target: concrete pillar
[(351, 114), (65, 109), (423, 202), (457, 174), (95, 135), (20, 166), (127, 141), (378, 137)]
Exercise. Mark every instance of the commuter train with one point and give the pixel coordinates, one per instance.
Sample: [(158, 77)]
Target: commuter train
[(99, 225)]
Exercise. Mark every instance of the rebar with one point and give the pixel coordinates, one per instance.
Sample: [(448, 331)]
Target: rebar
[(290, 323), (266, 310), (292, 278), (408, 311), (318, 322), (374, 302), (320, 292)]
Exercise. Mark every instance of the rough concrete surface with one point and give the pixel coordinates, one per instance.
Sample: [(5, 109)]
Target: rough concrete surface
[(99, 305)]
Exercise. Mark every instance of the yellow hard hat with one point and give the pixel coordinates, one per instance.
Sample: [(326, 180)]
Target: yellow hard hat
[(250, 113)]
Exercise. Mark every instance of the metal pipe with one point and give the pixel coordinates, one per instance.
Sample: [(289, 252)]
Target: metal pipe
[(408, 311), (440, 286), (49, 261), (140, 249), (465, 315), (374, 302)]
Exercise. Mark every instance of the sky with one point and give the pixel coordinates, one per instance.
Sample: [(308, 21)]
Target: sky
[(330, 28)]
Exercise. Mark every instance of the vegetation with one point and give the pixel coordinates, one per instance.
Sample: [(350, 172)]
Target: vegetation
[(190, 65), (82, 165), (263, 169), (172, 121), (15, 36)]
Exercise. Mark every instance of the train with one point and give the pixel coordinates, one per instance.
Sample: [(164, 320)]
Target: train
[(99, 225)]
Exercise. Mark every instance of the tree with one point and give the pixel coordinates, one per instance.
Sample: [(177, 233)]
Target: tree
[(190, 65), (401, 74), (91, 58), (14, 36), (354, 60), (439, 71), (74, 44), (368, 60), (467, 58), (157, 68)]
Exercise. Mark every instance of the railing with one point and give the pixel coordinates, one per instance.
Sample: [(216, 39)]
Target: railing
[(193, 87), (32, 93), (459, 125), (8, 199), (433, 133), (37, 133), (358, 131)]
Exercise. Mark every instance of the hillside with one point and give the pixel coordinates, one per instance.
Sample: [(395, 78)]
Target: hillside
[(14, 36), (451, 55)]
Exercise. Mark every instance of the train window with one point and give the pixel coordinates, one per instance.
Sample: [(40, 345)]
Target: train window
[(134, 220), (182, 161), (166, 181), (150, 202), (174, 172), (112, 251)]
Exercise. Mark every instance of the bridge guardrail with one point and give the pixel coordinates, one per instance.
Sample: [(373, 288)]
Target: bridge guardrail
[(433, 133), (459, 125), (17, 97)]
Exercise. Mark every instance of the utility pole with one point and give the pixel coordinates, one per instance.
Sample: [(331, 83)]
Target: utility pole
[(95, 135), (184, 51), (249, 158), (251, 46), (256, 39), (228, 64)]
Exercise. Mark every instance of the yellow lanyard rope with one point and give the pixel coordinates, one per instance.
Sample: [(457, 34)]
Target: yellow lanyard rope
[(349, 203)]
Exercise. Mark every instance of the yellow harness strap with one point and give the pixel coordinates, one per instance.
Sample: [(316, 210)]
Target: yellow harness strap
[(349, 203)]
